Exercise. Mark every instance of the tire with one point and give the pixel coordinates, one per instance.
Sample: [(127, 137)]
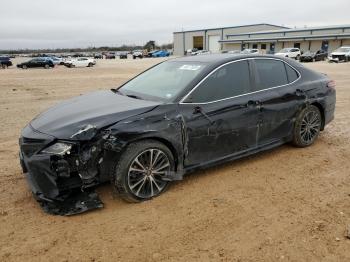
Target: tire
[(134, 57), (307, 126), (90, 65), (24, 67), (313, 59), (297, 57), (134, 186), (47, 66), (3, 66)]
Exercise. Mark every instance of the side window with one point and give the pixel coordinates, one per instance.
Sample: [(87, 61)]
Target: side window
[(291, 73), (228, 81), (270, 73)]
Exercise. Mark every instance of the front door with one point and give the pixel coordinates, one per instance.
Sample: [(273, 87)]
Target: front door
[(220, 115)]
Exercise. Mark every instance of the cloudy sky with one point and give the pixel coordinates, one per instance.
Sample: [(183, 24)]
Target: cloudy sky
[(82, 23)]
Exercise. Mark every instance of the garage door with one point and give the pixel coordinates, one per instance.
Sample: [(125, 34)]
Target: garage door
[(214, 45)]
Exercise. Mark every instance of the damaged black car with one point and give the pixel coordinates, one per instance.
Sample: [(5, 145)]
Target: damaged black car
[(179, 116)]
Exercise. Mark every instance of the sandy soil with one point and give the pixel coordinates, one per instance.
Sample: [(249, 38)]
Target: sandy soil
[(288, 204)]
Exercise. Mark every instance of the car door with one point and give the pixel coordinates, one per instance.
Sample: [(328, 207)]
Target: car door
[(279, 98), (220, 115)]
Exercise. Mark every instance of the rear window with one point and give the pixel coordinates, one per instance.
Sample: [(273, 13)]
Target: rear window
[(270, 73), (291, 73)]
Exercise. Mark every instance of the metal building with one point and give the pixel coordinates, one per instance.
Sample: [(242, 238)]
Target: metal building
[(266, 37)]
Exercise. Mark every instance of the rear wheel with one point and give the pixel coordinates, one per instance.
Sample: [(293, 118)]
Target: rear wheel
[(4, 66), (90, 65), (307, 126), (297, 57), (24, 67), (47, 66), (138, 174)]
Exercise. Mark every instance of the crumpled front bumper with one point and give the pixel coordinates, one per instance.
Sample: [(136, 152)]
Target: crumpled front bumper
[(59, 195)]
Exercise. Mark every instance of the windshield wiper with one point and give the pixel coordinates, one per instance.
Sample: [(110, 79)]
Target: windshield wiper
[(114, 90), (134, 96)]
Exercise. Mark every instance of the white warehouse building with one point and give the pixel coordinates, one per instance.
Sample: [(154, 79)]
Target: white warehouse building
[(267, 38)]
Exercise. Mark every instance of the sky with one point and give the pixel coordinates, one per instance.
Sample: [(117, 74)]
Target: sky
[(84, 23)]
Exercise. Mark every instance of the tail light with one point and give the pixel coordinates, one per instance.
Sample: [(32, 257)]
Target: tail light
[(331, 84)]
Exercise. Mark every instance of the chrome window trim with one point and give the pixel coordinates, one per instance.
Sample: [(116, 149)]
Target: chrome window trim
[(235, 61)]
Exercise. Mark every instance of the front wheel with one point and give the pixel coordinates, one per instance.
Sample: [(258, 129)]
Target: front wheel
[(90, 65), (307, 126), (139, 173)]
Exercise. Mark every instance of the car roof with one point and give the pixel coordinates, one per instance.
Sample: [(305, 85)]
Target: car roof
[(220, 58)]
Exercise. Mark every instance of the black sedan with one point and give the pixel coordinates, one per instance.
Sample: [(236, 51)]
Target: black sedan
[(178, 116), (43, 62), (311, 56), (5, 62)]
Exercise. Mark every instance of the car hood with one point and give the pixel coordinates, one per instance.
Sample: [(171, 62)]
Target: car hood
[(91, 111), (339, 53)]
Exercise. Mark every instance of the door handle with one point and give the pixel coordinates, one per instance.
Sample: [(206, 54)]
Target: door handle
[(252, 103), (199, 110), (299, 92)]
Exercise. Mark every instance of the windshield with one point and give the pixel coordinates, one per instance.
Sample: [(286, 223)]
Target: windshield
[(164, 81), (343, 49)]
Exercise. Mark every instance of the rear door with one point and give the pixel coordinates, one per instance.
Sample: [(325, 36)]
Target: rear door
[(279, 98), (220, 115)]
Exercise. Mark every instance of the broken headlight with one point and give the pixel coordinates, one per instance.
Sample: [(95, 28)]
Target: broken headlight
[(59, 148)]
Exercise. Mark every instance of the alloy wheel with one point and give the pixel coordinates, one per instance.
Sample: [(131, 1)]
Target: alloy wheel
[(146, 171), (310, 127)]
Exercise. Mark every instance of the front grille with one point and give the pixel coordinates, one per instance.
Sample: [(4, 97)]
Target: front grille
[(30, 146)]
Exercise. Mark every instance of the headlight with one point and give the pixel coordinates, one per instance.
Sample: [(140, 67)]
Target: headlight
[(58, 148)]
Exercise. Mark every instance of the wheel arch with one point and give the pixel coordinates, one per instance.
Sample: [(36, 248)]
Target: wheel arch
[(321, 108), (162, 140)]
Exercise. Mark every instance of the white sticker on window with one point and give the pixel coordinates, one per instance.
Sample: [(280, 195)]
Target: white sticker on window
[(190, 67)]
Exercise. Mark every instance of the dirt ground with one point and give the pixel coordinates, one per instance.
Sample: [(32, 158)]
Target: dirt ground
[(287, 204)]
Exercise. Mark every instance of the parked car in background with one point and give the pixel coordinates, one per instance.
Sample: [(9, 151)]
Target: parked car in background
[(137, 54), (342, 54), (44, 62), (250, 51), (56, 60), (312, 56), (123, 55), (150, 53), (179, 116), (98, 56), (161, 53), (110, 56), (289, 52), (80, 62), (200, 52), (234, 52), (5, 62)]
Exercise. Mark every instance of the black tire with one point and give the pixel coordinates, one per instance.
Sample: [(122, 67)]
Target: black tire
[(122, 175), (134, 57), (3, 66), (297, 57), (307, 126), (47, 66), (90, 65), (24, 67)]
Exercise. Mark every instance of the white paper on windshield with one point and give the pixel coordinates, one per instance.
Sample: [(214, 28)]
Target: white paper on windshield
[(190, 67)]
